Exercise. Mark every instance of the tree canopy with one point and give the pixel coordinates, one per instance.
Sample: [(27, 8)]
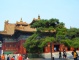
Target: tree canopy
[(51, 30)]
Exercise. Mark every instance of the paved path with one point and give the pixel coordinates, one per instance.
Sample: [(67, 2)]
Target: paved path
[(56, 55), (54, 59), (50, 59)]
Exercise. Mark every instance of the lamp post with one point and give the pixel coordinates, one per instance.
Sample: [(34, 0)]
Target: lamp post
[(51, 50)]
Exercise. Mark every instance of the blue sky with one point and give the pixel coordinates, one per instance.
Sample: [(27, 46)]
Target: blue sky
[(66, 11)]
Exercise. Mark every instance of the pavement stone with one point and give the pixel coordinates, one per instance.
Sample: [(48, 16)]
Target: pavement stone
[(56, 55), (50, 59)]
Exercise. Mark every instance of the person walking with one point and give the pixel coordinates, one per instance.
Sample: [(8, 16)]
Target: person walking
[(3, 57), (12, 58), (59, 54), (26, 57), (20, 57), (64, 54), (75, 55), (8, 57)]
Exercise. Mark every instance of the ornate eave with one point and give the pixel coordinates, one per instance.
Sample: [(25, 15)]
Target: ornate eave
[(5, 33), (21, 23), (26, 28)]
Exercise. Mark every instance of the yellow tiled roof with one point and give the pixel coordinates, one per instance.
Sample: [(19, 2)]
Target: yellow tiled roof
[(9, 28)]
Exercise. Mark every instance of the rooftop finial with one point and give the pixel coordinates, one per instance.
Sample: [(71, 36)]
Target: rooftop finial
[(21, 20), (6, 21), (38, 17)]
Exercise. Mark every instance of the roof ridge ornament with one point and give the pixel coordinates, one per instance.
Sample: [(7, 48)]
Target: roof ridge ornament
[(6, 21), (38, 17), (21, 20)]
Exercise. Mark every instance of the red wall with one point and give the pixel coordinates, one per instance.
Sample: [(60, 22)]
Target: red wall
[(17, 47)]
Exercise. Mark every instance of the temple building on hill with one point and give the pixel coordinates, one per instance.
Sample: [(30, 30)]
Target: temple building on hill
[(14, 35)]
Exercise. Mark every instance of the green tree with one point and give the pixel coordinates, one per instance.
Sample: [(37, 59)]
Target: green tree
[(67, 42), (72, 33), (75, 42), (72, 38), (47, 31)]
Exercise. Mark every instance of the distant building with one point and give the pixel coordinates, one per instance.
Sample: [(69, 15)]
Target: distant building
[(14, 35)]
